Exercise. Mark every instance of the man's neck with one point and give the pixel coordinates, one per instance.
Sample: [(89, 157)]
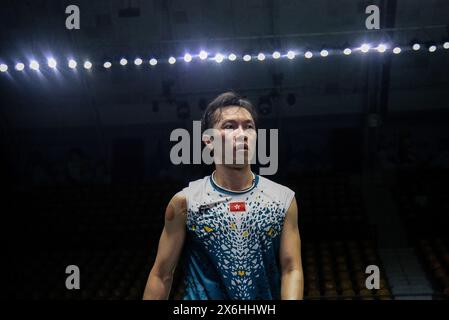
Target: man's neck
[(235, 179)]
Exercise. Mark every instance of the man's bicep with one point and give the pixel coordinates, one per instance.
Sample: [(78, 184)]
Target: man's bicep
[(290, 248), (172, 237), (175, 214)]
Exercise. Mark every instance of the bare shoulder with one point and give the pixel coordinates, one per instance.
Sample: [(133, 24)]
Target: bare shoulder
[(293, 206), (292, 212), (177, 207)]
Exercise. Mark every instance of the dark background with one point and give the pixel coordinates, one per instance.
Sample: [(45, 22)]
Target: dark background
[(363, 139)]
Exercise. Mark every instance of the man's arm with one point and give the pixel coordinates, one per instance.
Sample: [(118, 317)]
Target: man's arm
[(292, 278), (170, 246)]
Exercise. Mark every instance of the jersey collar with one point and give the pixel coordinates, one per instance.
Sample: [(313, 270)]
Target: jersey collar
[(232, 192)]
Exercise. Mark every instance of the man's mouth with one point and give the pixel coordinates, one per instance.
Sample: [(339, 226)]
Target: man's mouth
[(241, 147)]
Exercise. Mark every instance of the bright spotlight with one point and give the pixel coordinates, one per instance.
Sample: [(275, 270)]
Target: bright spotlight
[(34, 65), (276, 55), (123, 62), (153, 62), (381, 48), (232, 57), (324, 53), (219, 58), (87, 65), (52, 63), (247, 58), (261, 57), (291, 55), (3, 67), (446, 45), (397, 50), (308, 55), (416, 46), (187, 57), (203, 55), (172, 60), (432, 48), (107, 65), (20, 66), (365, 48), (72, 64), (138, 62), (347, 51)]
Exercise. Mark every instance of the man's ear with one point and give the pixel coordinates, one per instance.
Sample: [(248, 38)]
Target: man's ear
[(208, 139)]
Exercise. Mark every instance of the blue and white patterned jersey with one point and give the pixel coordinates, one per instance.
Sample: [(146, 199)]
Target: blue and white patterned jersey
[(233, 238)]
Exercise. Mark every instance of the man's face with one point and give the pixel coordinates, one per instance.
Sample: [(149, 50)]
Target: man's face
[(237, 130)]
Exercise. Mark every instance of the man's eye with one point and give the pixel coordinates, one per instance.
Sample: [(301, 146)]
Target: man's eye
[(228, 126)]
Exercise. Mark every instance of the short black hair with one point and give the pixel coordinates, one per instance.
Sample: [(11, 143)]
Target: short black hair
[(224, 100)]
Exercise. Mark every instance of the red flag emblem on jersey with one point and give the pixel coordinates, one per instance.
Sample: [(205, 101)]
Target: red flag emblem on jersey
[(237, 206)]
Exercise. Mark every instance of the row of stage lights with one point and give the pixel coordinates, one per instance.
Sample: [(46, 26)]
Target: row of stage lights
[(219, 58)]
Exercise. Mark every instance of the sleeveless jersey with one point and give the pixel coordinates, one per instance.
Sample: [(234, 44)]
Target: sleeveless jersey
[(232, 242)]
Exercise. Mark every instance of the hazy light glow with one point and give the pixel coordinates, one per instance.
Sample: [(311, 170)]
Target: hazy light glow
[(34, 65), (291, 55), (20, 66), (324, 53), (52, 63), (381, 48), (365, 48), (87, 65), (72, 64), (397, 50), (203, 55), (219, 58), (187, 57)]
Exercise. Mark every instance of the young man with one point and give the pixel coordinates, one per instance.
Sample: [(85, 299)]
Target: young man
[(240, 230)]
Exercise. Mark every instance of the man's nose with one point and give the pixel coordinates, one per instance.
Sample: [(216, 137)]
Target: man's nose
[(241, 134)]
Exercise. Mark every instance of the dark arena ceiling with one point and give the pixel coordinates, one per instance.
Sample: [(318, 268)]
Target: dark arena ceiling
[(112, 30)]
